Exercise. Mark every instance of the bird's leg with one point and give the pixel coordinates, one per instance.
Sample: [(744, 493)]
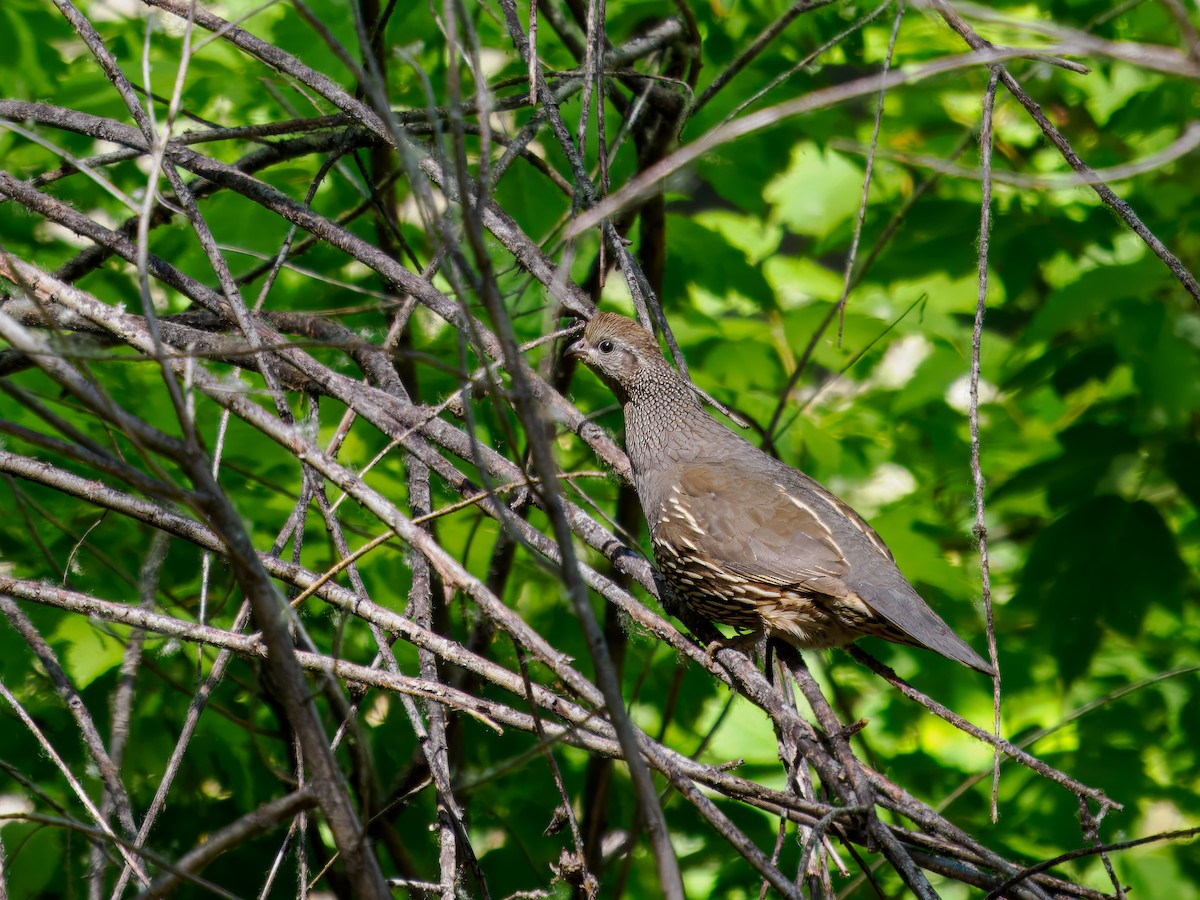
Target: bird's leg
[(753, 642), (702, 628)]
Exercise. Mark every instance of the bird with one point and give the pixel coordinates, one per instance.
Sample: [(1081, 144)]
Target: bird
[(740, 537)]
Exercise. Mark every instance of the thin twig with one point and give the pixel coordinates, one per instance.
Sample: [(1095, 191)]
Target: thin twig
[(977, 480)]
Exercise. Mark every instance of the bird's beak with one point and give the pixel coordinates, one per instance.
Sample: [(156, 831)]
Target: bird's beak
[(577, 350)]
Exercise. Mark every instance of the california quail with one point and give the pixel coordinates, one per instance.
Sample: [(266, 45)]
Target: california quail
[(741, 537)]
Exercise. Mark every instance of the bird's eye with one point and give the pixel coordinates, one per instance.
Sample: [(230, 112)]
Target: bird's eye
[(605, 346)]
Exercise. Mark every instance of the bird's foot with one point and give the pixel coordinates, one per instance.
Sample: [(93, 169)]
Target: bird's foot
[(752, 642)]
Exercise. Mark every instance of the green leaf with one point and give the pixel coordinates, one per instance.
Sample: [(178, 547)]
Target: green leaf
[(1100, 566), (820, 190), (88, 653)]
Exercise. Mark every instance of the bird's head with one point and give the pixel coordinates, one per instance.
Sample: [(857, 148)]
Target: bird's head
[(620, 352)]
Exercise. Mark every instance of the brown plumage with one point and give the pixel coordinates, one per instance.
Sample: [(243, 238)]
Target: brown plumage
[(741, 537)]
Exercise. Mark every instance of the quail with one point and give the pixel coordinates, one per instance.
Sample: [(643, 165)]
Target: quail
[(742, 538)]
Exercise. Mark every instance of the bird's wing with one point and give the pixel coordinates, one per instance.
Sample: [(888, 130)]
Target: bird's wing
[(791, 532), (752, 527)]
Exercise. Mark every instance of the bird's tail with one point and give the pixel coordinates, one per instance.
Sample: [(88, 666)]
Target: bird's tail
[(902, 608)]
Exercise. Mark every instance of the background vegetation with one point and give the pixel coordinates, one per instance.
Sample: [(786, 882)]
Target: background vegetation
[(237, 356)]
